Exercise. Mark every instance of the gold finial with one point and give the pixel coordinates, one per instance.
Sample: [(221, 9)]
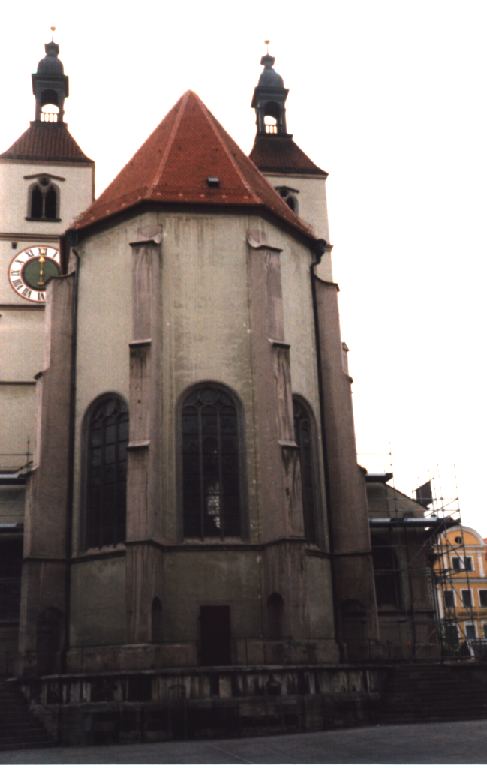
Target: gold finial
[(267, 45), (53, 29)]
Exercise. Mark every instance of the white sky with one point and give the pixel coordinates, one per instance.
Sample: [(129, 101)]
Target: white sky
[(389, 97)]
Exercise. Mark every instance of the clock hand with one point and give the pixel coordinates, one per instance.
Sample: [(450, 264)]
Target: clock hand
[(42, 258)]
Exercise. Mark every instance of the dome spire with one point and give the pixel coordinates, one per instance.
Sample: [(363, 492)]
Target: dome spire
[(50, 85), (269, 98)]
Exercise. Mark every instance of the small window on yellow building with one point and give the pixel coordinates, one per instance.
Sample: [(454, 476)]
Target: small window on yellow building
[(483, 598), (449, 599)]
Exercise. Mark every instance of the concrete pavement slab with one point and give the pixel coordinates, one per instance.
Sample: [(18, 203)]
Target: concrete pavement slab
[(434, 743)]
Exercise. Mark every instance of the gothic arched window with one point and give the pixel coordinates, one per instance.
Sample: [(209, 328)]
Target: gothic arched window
[(106, 471), (211, 456), (303, 430), (44, 200)]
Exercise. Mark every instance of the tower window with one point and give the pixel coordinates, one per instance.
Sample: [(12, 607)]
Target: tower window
[(44, 200), (270, 124), (272, 118), (290, 196), (303, 430), (50, 107), (106, 471), (211, 457)]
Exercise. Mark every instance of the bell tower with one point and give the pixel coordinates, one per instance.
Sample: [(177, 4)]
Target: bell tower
[(290, 171), (50, 86), (269, 99), (45, 182)]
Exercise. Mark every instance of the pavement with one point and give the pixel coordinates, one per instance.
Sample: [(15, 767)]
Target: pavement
[(438, 743)]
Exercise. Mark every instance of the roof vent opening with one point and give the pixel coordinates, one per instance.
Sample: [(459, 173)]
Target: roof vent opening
[(213, 181)]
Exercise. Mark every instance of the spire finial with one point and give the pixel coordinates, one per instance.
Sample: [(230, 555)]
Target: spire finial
[(53, 29), (267, 46)]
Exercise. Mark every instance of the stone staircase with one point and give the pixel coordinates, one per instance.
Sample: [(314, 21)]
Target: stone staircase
[(434, 692), (19, 729)]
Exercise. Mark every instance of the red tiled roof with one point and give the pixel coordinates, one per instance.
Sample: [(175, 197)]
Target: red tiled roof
[(46, 141), (174, 164), (279, 154)]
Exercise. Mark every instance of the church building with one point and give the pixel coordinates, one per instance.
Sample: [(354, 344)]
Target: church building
[(181, 419), (207, 507)]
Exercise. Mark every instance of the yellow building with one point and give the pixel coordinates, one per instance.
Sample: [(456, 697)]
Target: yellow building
[(460, 569)]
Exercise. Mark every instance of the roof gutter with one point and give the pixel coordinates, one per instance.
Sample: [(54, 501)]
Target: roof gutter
[(410, 522)]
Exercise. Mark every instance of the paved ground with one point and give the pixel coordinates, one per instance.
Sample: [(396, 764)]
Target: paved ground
[(464, 742)]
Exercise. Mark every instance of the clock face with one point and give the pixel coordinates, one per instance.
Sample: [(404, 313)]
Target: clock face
[(31, 269)]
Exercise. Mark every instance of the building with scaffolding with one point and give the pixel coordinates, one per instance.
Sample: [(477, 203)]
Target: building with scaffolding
[(461, 586), (402, 538), (197, 538)]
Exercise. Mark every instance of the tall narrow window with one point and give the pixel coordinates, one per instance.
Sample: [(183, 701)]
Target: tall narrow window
[(210, 463), (44, 200), (303, 430), (386, 573), (106, 471), (275, 616), (449, 598)]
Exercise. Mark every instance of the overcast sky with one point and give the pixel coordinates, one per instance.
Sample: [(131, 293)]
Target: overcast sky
[(390, 98)]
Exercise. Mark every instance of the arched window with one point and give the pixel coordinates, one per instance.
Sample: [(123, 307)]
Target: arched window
[(36, 202), (44, 200), (106, 471), (303, 430), (210, 463), (271, 117), (290, 196)]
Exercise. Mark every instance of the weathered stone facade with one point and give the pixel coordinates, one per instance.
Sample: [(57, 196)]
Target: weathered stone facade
[(196, 520), (168, 298), (44, 157)]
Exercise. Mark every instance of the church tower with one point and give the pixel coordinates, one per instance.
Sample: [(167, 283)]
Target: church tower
[(45, 181), (287, 168), (303, 187)]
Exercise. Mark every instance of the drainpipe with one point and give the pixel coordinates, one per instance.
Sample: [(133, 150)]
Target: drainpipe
[(67, 246), (319, 250)]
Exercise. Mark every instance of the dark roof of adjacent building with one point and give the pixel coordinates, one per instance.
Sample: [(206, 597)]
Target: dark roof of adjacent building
[(384, 500), (274, 153), (190, 160), (46, 142)]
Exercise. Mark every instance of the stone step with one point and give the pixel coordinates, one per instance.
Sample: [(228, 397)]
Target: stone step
[(19, 728), (429, 694), (14, 745)]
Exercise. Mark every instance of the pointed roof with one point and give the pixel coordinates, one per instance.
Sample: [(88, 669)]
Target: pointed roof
[(176, 164), (273, 153), (46, 142)]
